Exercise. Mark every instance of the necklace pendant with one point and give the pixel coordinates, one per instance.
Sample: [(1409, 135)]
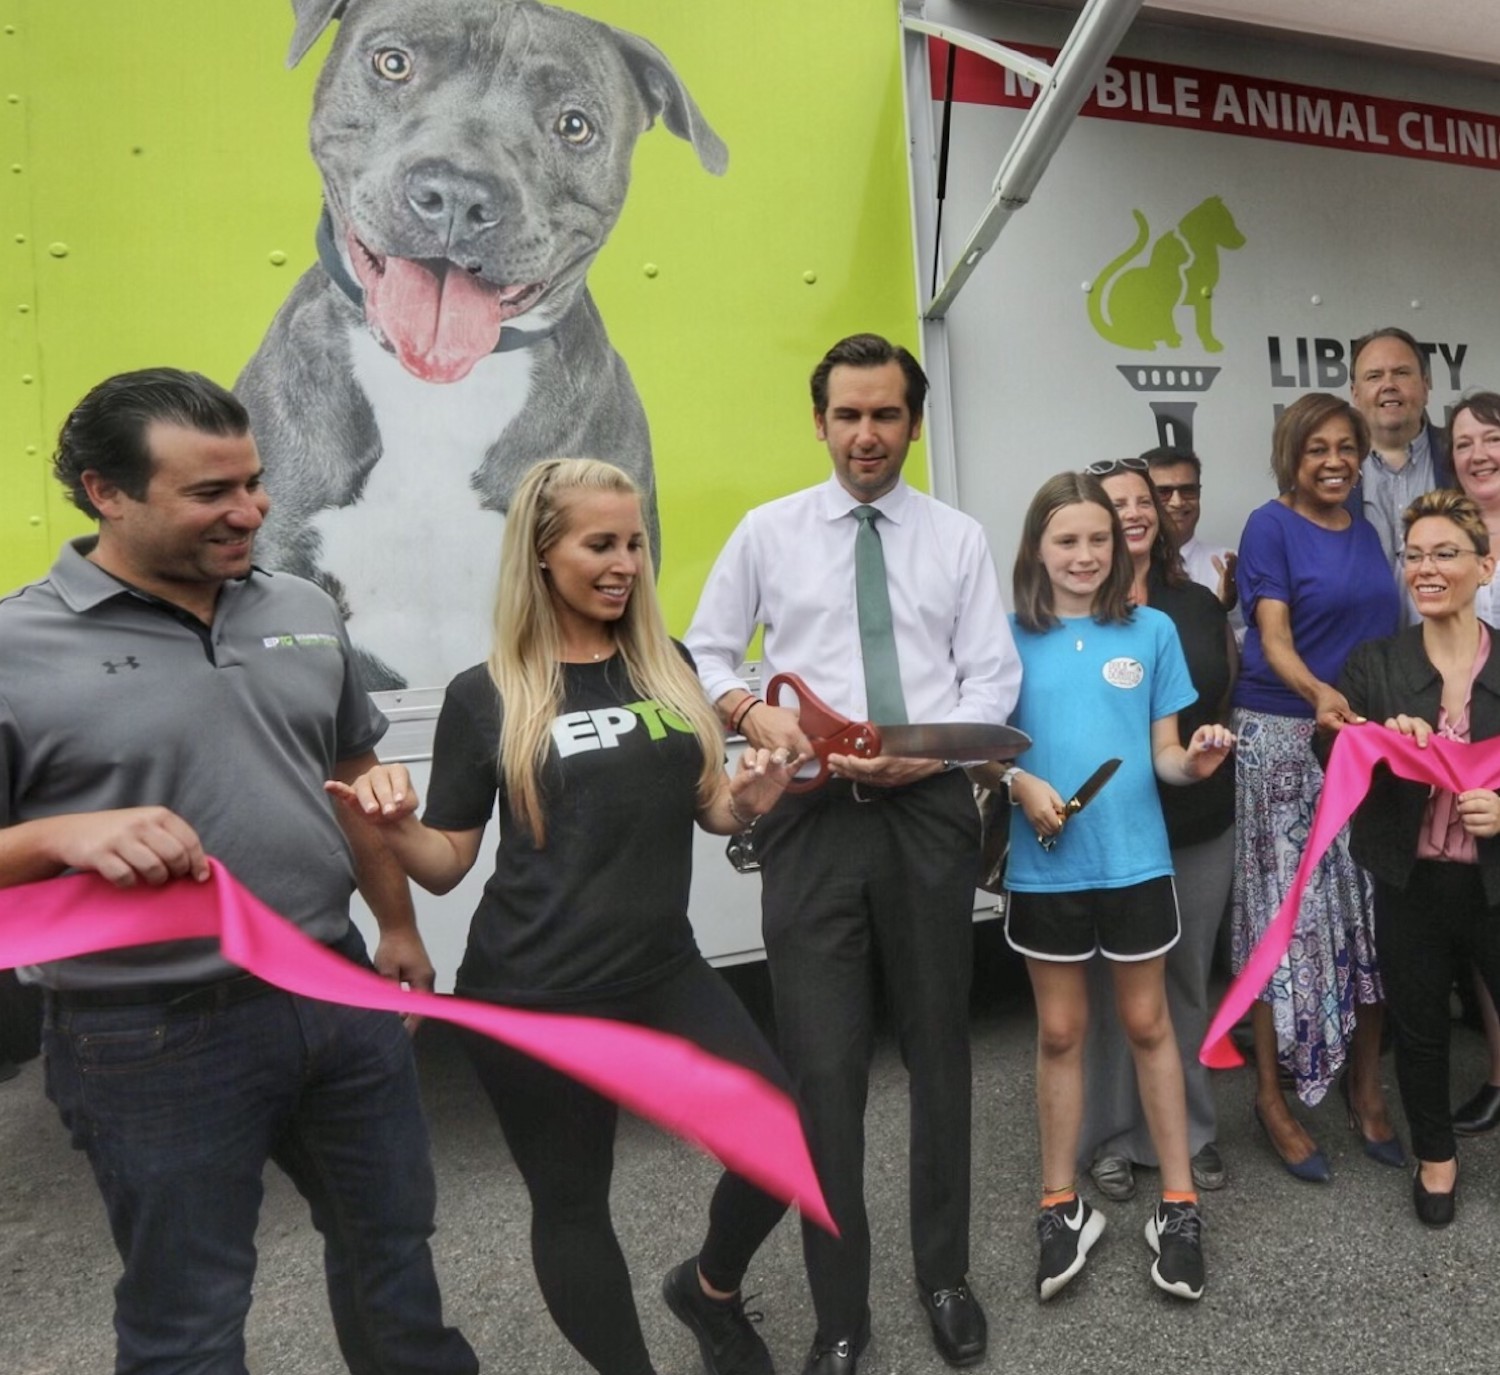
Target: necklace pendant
[(1078, 645)]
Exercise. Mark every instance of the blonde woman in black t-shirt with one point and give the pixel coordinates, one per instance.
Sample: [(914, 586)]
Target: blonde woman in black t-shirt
[(589, 724)]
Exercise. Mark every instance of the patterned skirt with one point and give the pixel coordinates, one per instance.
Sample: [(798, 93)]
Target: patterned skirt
[(1330, 966)]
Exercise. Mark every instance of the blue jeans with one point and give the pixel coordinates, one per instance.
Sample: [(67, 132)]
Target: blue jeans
[(179, 1111)]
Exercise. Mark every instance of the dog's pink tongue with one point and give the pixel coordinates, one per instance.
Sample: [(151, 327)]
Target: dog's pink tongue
[(439, 326)]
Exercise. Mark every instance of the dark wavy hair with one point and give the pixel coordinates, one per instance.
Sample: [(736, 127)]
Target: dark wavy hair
[(106, 432), (869, 351), (1031, 589), (1168, 456)]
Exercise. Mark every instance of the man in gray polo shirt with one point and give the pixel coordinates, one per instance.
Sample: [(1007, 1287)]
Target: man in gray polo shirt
[(162, 700)]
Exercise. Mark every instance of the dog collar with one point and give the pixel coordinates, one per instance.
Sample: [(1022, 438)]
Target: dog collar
[(333, 265)]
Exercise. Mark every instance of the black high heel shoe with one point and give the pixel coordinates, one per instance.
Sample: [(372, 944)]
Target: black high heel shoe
[(1387, 1152), (1433, 1209)]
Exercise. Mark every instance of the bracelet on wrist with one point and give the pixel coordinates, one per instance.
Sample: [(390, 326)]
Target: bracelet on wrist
[(741, 712), (744, 822)]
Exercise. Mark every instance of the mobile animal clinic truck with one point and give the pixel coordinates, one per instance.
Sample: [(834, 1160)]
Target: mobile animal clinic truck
[(166, 175)]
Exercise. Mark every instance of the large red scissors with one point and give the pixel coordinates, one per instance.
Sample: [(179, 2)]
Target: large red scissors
[(829, 733)]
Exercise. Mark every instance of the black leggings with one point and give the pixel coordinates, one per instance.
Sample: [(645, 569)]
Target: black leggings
[(1421, 935), (562, 1137)]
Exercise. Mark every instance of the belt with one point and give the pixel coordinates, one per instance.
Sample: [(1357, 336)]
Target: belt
[(848, 789), (175, 997)]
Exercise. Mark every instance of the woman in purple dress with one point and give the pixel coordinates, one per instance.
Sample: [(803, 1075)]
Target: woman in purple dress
[(1314, 583)]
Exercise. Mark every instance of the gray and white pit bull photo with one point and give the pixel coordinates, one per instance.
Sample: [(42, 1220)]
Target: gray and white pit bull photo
[(475, 155)]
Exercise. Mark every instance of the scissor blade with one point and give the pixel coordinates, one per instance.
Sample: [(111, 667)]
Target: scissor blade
[(954, 740), (1095, 781)]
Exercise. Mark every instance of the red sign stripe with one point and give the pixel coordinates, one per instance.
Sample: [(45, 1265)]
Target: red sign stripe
[(1144, 92)]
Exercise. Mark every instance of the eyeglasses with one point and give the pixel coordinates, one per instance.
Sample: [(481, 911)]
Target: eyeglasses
[(1414, 558), (1105, 466), (1186, 491)]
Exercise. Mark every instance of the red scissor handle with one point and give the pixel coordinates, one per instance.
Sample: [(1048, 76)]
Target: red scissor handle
[(827, 731)]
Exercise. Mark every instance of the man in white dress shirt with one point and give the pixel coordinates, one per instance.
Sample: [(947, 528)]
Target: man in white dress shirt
[(876, 870)]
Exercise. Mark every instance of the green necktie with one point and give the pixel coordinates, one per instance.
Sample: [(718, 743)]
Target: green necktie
[(877, 641)]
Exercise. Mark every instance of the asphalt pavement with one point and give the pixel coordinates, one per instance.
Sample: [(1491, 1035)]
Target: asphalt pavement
[(1309, 1278)]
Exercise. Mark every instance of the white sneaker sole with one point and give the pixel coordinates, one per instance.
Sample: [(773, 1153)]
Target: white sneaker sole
[(1178, 1289), (1091, 1231)]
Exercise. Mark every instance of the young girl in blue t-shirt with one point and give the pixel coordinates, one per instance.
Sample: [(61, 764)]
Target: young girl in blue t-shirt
[(1102, 679)]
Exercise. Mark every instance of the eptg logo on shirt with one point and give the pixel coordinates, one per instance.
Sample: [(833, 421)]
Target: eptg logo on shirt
[(577, 731), (303, 640)]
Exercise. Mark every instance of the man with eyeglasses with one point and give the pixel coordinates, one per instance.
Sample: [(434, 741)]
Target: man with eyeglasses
[(1177, 475)]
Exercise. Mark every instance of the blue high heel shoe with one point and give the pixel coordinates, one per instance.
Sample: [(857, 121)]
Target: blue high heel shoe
[(1314, 1170), (1387, 1152)]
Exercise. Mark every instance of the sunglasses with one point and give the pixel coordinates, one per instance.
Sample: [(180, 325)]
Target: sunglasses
[(1106, 466), (1187, 491)]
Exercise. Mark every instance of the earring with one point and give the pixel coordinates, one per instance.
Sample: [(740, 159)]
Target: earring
[(542, 564)]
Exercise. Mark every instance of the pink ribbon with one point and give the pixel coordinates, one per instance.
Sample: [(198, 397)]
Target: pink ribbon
[(1443, 763), (725, 1109)]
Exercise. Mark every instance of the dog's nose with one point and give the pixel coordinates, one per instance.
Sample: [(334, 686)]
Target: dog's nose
[(456, 202)]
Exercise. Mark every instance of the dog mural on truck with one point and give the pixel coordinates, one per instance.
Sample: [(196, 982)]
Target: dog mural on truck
[(475, 155)]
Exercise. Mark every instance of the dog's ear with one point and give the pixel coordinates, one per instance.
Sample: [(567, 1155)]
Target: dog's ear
[(668, 97), (313, 16)]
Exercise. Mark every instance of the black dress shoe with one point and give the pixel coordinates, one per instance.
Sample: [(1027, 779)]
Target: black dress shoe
[(1435, 1210), (959, 1329), (840, 1357), (1480, 1114)]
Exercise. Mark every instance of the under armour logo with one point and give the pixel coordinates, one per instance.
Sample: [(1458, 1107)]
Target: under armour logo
[(127, 662)]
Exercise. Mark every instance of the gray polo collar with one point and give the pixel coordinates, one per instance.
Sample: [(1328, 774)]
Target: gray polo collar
[(83, 585)]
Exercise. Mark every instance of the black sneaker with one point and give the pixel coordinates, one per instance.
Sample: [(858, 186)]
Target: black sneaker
[(1065, 1232), (1175, 1232), (729, 1343)]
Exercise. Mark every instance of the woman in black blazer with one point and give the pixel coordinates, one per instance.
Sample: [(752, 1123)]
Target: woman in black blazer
[(1434, 855)]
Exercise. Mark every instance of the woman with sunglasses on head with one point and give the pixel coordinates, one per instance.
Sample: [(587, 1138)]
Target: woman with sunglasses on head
[(1101, 678), (1474, 446), (1434, 854), (590, 725), (1200, 830), (1314, 583)]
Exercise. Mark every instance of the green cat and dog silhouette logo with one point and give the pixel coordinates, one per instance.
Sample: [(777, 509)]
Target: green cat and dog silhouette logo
[(1135, 306)]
